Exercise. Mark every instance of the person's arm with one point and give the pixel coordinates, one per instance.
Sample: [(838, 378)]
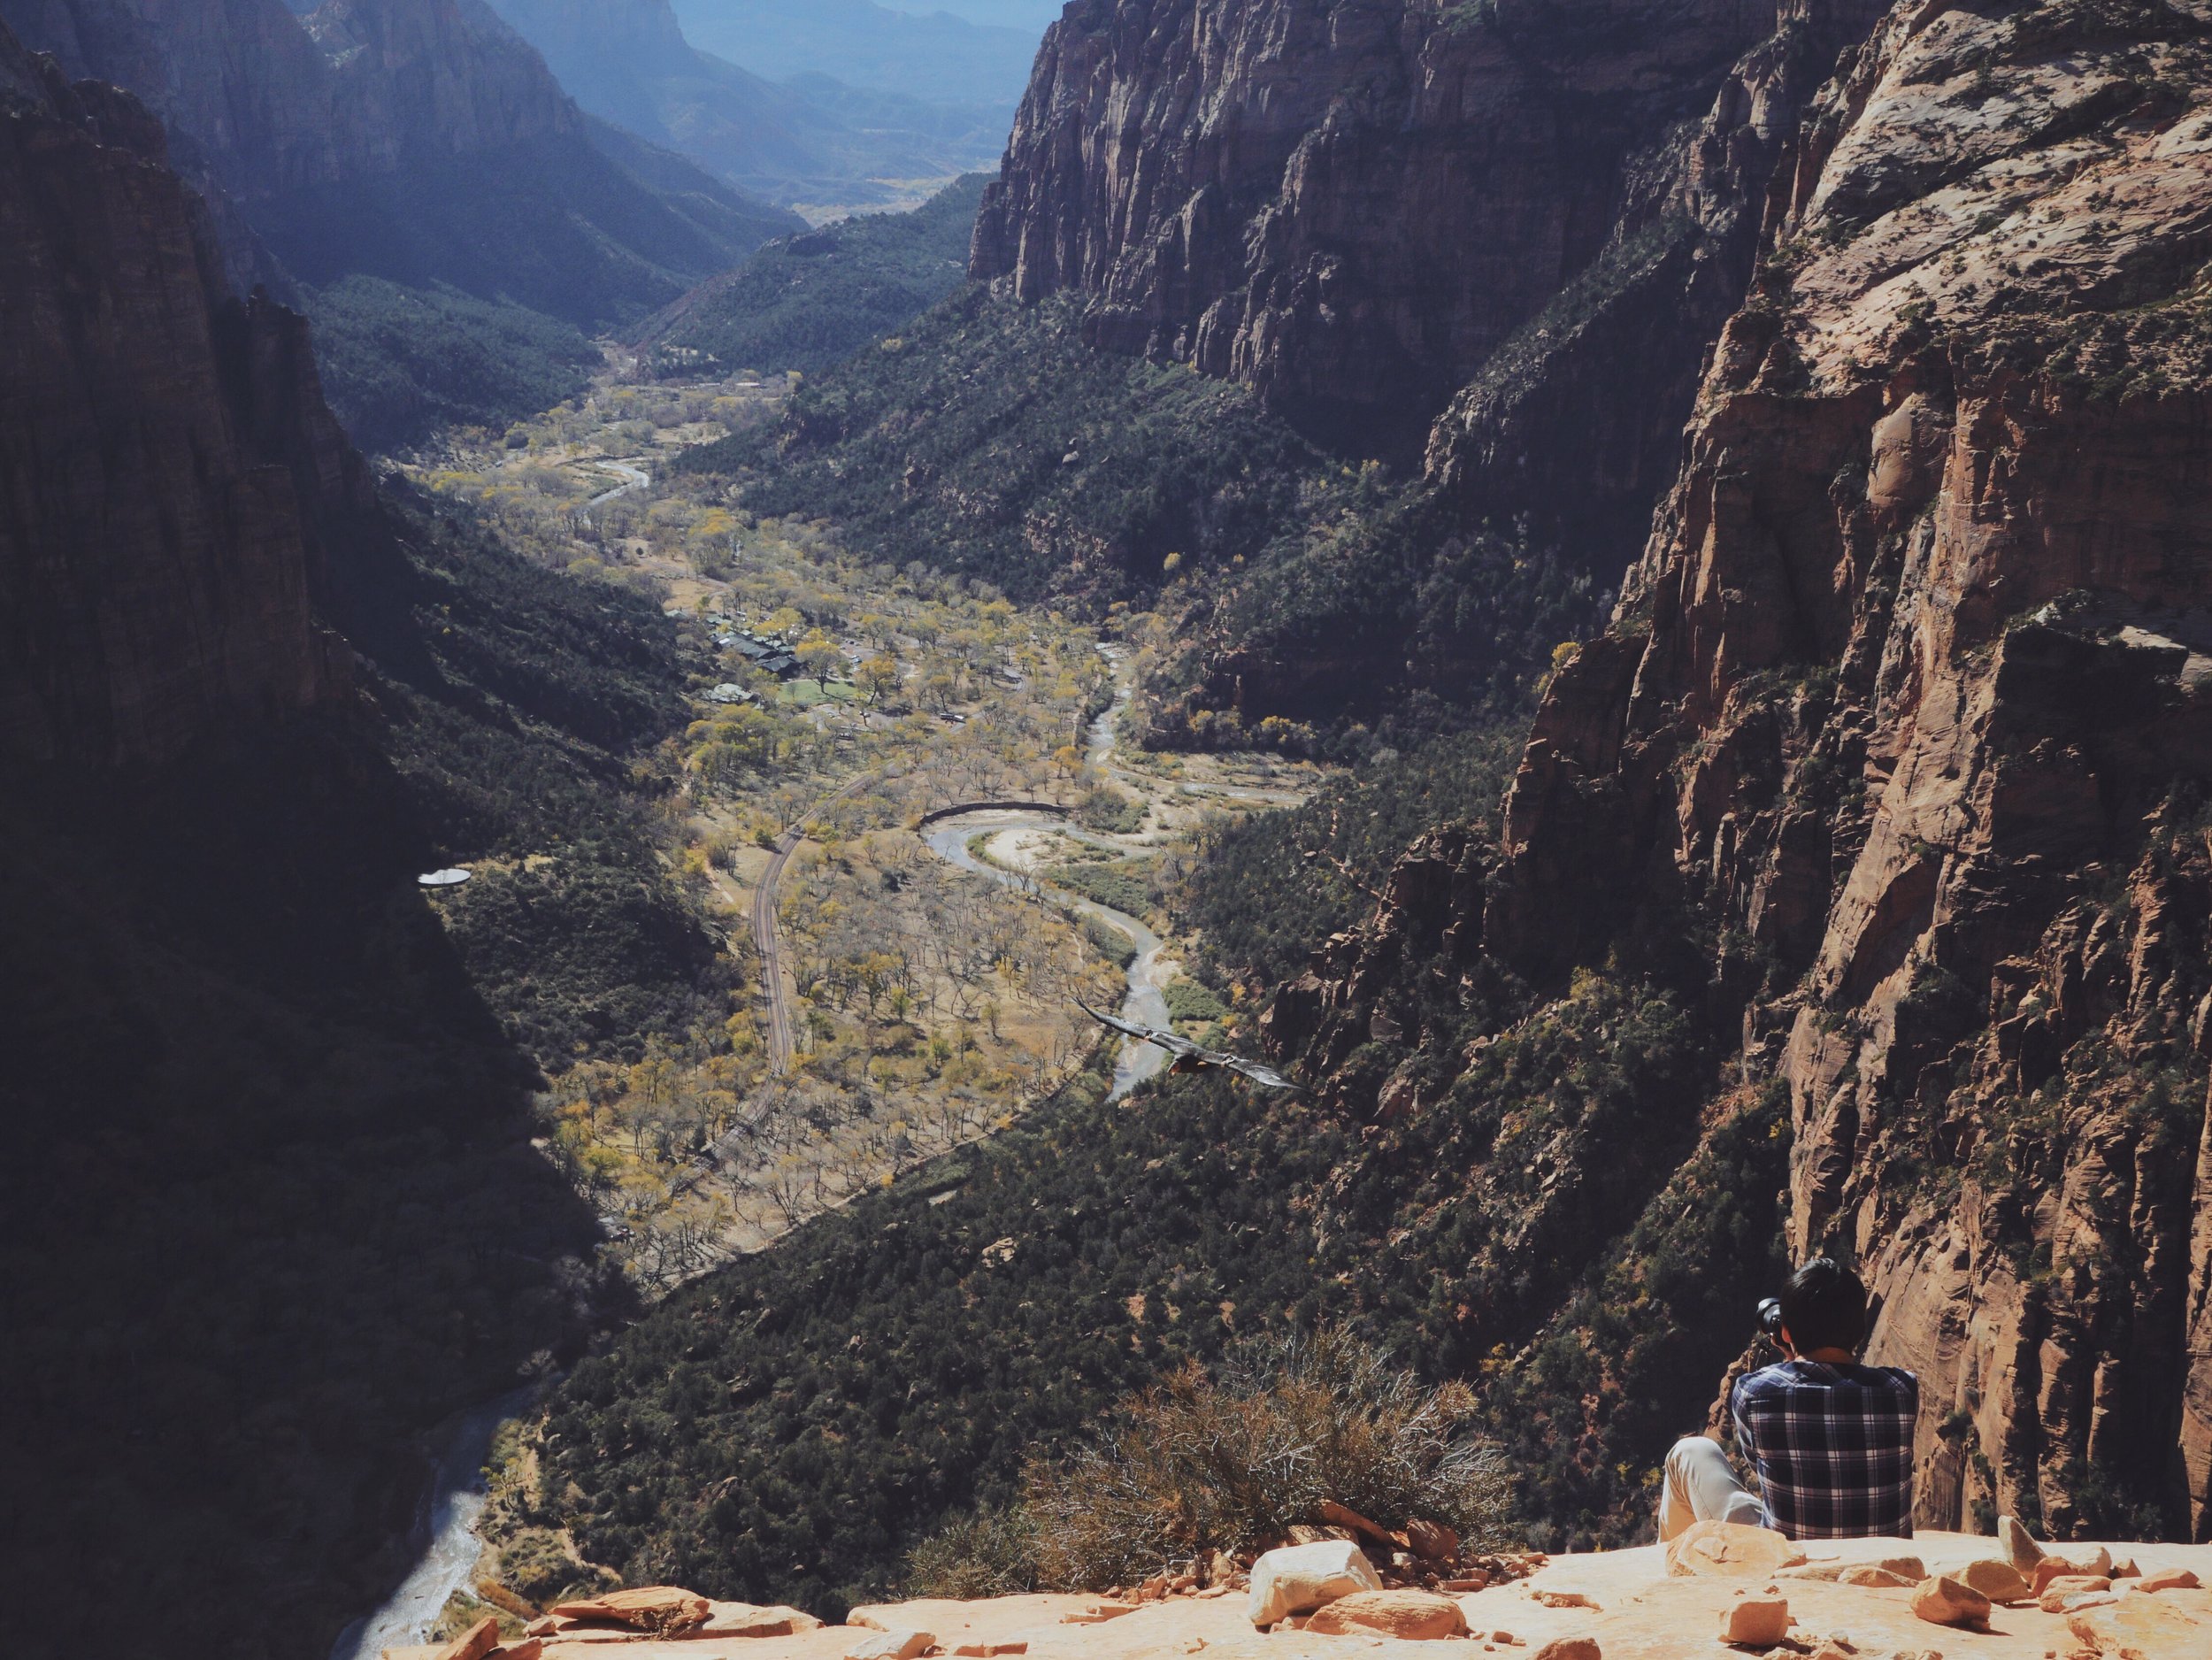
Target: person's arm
[(1745, 1450)]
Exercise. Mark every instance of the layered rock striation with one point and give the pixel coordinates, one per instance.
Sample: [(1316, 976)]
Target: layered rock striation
[(1900, 740), (1351, 208), (170, 477)]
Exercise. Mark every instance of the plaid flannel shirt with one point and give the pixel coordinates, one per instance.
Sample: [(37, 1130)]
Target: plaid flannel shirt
[(1831, 1446)]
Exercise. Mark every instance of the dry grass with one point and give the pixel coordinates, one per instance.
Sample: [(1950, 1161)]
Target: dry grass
[(1233, 1461)]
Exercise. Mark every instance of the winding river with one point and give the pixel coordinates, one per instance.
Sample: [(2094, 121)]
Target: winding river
[(445, 1527), (1148, 974)]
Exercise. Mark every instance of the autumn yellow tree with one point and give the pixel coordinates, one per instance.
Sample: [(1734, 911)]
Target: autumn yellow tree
[(818, 654)]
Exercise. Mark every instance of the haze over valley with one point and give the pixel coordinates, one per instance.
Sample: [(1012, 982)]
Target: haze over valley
[(1081, 829)]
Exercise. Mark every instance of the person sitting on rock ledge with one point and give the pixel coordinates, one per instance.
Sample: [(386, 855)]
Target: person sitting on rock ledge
[(1830, 1441)]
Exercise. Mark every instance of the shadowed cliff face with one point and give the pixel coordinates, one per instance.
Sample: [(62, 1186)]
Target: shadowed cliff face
[(1906, 722), (277, 101), (1349, 207), (421, 142), (164, 450)]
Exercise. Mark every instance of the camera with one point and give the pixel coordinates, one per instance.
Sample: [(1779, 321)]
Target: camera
[(1771, 1318)]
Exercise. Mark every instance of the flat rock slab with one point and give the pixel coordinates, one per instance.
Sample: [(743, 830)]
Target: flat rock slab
[(1644, 1613)]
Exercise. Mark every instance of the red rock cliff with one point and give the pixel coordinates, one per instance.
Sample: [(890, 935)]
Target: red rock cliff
[(1348, 207), (164, 451), (1908, 707)]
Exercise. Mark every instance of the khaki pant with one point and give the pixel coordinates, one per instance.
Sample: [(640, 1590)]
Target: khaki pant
[(1702, 1486)]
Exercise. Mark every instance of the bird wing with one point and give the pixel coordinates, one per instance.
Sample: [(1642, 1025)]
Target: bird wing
[(1167, 1041), (1257, 1073)]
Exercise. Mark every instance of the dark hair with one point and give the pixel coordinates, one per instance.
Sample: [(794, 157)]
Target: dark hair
[(1824, 1305)]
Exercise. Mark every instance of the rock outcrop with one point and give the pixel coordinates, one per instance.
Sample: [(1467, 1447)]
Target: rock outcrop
[(168, 471), (1621, 1603), (1348, 207), (1540, 215), (1575, 422), (1906, 716)]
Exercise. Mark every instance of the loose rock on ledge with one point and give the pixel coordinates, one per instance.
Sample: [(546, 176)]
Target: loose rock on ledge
[(1299, 1578)]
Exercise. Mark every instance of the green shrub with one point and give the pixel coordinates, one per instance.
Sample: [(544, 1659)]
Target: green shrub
[(1189, 1002), (1119, 886), (1108, 810), (536, 1563), (1114, 946), (992, 1553)]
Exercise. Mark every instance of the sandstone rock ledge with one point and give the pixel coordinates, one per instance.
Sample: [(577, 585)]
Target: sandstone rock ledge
[(1623, 1601)]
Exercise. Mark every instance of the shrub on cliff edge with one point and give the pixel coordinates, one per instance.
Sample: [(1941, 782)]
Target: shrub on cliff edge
[(1233, 1461)]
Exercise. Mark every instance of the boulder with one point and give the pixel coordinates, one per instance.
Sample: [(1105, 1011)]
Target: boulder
[(988, 1648), (1300, 1577), (2056, 1592), (1755, 1622), (1566, 1599), (1570, 1649), (1432, 1541), (474, 1644), (1873, 1574), (1731, 1549), (1945, 1601), (2096, 1565), (521, 1648), (2141, 1628), (742, 1619), (1416, 1616), (660, 1608), (2019, 1547), (1098, 1614), (1343, 1516), (2000, 1581), (2168, 1580), (890, 1645)]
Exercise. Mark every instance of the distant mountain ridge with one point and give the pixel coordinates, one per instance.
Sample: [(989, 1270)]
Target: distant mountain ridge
[(359, 139), (380, 159), (937, 57), (813, 141)]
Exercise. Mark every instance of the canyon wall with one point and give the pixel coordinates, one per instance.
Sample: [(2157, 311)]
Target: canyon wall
[(1348, 207), (274, 102), (1903, 732), (421, 142), (168, 471), (1352, 207)]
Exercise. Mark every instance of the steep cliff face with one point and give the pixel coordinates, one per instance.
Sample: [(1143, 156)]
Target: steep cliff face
[(440, 77), (1894, 761), (422, 142), (1575, 422), (165, 457), (1349, 207)]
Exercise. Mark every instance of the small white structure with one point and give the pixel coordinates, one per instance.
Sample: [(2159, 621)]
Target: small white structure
[(442, 878), (729, 692)]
